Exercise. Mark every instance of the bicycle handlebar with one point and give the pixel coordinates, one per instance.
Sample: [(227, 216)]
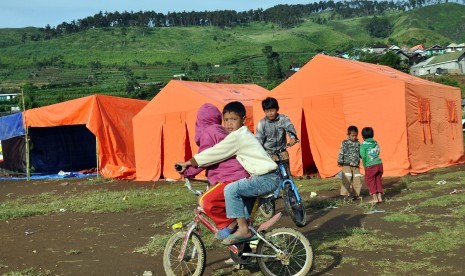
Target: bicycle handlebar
[(282, 149)]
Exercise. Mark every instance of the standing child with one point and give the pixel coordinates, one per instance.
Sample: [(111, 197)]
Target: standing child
[(251, 155), (209, 132), (271, 130), (349, 160), (369, 151)]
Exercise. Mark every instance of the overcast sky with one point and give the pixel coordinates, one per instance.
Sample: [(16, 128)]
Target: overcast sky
[(39, 13)]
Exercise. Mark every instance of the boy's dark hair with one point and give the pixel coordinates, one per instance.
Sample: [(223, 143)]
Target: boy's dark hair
[(368, 132), (270, 103), (236, 107), (351, 129)]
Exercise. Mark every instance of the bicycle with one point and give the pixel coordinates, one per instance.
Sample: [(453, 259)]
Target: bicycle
[(281, 251), (292, 200)]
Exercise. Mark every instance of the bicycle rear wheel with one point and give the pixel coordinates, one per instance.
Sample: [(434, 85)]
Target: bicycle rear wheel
[(296, 258), (294, 207), (194, 261)]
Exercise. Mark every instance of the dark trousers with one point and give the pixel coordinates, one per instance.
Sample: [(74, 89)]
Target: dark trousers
[(373, 176)]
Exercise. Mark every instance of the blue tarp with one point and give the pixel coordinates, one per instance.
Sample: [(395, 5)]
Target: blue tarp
[(11, 126), (37, 176)]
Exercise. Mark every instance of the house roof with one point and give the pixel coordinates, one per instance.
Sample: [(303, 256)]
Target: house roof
[(447, 57), (399, 52), (381, 46), (423, 63), (435, 46), (451, 45), (419, 46)]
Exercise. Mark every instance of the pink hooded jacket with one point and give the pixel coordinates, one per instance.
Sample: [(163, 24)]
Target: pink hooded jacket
[(209, 132)]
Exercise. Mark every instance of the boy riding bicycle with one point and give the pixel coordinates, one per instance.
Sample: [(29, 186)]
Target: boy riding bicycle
[(209, 132), (271, 130), (252, 156)]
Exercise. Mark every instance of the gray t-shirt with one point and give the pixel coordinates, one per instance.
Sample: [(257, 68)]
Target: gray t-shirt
[(272, 134)]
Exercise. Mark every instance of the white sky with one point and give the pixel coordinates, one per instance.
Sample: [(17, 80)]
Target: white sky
[(39, 13)]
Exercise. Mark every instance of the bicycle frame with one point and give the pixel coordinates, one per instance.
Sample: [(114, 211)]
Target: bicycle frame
[(201, 217), (285, 179), (283, 184)]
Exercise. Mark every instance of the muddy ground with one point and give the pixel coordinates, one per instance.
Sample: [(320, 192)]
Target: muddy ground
[(46, 243)]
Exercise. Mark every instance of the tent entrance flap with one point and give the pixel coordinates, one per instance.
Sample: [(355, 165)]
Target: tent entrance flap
[(14, 154), (66, 148), (326, 126), (308, 163)]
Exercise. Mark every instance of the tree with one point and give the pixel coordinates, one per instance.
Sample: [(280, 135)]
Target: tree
[(379, 27), (274, 70), (391, 59), (29, 101), (249, 71)]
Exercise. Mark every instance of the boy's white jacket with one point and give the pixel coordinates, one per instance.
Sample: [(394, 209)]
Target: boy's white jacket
[(242, 144)]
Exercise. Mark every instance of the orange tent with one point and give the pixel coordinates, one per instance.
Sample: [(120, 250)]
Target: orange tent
[(416, 122), (108, 118), (164, 130)]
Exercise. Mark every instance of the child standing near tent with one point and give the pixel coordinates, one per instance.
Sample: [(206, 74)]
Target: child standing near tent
[(251, 155), (209, 132), (369, 151), (271, 130), (349, 160)]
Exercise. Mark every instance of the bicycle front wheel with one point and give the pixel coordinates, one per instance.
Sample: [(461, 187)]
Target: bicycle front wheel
[(296, 255), (194, 261), (267, 207), (294, 207)]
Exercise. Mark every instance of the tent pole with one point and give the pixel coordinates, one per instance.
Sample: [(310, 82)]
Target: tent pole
[(96, 153), (28, 165)]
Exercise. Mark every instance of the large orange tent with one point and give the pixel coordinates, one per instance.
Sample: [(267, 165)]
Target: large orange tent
[(416, 122), (109, 120), (164, 130)]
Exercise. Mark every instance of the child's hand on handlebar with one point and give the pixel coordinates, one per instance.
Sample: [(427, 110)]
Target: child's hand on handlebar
[(181, 167), (292, 142)]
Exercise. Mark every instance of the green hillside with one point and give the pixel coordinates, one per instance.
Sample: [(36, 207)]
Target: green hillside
[(436, 24), (109, 60)]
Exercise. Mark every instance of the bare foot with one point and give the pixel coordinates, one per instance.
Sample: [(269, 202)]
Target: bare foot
[(242, 234)]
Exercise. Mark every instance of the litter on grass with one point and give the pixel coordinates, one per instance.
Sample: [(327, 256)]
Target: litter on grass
[(375, 211), (177, 225), (455, 191), (441, 182)]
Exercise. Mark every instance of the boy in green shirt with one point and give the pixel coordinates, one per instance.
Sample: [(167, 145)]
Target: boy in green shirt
[(369, 151)]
